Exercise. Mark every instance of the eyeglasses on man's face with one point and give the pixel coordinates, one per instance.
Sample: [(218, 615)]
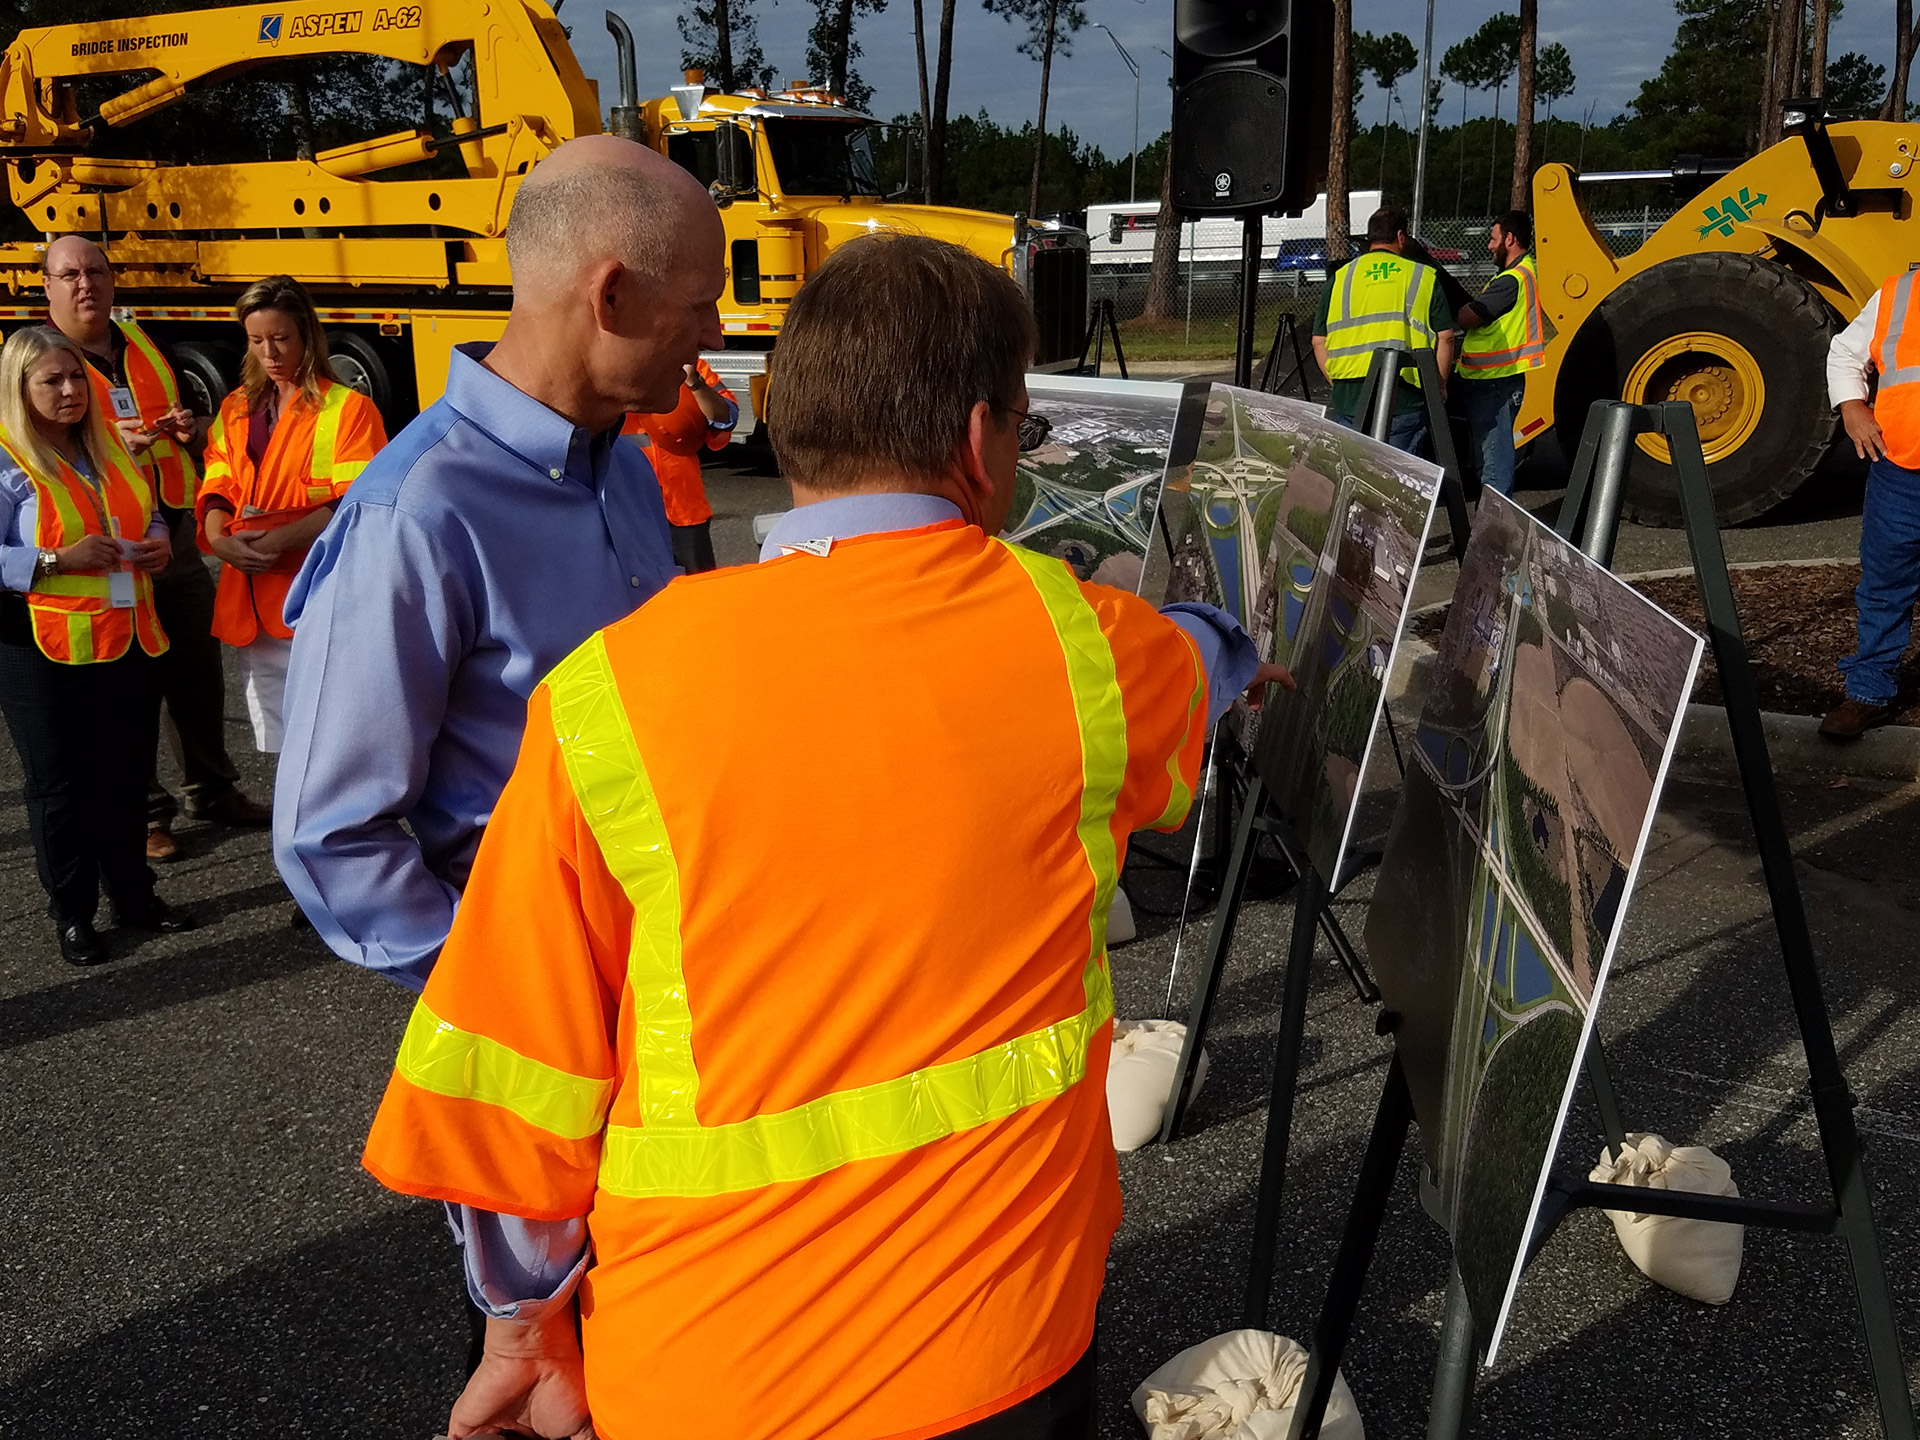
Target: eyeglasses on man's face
[(93, 273), (1034, 429)]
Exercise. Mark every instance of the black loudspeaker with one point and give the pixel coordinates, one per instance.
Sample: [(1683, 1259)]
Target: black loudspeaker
[(1251, 95)]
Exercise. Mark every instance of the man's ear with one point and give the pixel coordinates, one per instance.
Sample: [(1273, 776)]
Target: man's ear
[(973, 452), (606, 282)]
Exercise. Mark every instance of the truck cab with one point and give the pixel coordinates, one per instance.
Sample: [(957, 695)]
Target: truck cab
[(795, 177)]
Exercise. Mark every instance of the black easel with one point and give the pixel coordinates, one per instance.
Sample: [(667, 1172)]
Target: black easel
[(1286, 333), (1374, 414), (1250, 233), (1256, 819), (1600, 468), (1105, 322)]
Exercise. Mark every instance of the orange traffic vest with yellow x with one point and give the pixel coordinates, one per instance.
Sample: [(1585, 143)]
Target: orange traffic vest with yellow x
[(1511, 343), (74, 618), (1896, 355), (806, 1001), (155, 391)]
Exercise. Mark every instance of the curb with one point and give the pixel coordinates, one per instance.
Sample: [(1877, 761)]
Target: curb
[(1794, 743)]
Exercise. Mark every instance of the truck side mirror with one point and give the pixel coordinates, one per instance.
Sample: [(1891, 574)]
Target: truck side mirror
[(1115, 224), (733, 162)]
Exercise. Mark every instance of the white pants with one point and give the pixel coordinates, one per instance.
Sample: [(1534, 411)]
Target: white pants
[(263, 675)]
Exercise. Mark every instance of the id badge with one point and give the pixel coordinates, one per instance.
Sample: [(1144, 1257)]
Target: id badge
[(124, 407), (120, 581)]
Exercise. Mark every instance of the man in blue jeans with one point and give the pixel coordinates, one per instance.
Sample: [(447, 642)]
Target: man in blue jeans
[(1886, 430), (1505, 339)]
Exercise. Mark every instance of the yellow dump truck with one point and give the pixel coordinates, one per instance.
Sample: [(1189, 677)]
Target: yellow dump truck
[(403, 266), (1730, 305)]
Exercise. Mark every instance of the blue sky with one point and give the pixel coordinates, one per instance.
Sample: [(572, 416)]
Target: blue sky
[(1614, 46)]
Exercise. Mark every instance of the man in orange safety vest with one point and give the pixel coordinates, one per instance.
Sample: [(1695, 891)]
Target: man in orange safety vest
[(794, 982)]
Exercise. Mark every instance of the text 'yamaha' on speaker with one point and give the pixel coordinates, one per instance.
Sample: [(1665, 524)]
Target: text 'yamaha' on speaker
[(1252, 82)]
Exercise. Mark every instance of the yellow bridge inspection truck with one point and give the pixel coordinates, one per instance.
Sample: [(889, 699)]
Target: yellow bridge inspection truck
[(405, 266), (1730, 305)]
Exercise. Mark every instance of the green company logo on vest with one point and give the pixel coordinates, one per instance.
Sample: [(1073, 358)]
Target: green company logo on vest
[(1729, 211), (1381, 269)]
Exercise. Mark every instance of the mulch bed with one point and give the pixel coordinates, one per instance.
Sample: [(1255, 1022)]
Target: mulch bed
[(1797, 619)]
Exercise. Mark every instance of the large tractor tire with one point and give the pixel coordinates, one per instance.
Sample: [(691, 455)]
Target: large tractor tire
[(1744, 341)]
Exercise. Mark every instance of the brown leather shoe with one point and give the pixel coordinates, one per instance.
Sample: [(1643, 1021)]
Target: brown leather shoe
[(1853, 719), (234, 808), (160, 844)]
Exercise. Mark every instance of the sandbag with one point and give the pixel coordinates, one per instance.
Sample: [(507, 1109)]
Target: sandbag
[(1698, 1258), (1120, 926), (1140, 1078), (1238, 1386)]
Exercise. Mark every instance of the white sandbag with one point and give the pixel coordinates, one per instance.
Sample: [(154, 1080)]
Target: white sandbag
[(1238, 1386), (1140, 1078), (1698, 1258), (1120, 927)]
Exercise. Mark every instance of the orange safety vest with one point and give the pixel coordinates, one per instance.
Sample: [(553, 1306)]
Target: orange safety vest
[(810, 1011), (74, 619), (1896, 355), (313, 456), (677, 438), (155, 392)]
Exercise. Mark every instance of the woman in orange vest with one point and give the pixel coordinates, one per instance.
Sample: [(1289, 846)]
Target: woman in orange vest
[(703, 420), (285, 446), (80, 539)]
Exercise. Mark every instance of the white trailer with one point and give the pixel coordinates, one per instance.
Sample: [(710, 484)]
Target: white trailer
[(1121, 236)]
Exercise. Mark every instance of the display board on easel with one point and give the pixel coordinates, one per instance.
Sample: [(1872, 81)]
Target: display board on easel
[(1531, 785)]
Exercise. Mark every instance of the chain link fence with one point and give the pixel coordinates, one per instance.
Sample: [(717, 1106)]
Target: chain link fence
[(1203, 319)]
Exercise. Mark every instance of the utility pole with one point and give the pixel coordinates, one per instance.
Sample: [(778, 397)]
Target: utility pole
[(1133, 174), (1426, 119)]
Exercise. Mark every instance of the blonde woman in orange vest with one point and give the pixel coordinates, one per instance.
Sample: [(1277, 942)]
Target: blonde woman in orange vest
[(703, 420), (286, 445), (80, 539)]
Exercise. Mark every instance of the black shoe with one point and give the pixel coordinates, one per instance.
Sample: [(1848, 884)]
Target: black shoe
[(160, 917), (80, 944)]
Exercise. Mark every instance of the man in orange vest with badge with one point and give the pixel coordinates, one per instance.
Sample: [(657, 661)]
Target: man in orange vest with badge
[(1884, 425), (797, 991), (135, 386)]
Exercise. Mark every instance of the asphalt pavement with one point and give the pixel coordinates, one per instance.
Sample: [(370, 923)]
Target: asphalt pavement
[(192, 1250)]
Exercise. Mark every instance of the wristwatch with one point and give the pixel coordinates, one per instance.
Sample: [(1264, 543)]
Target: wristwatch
[(45, 564)]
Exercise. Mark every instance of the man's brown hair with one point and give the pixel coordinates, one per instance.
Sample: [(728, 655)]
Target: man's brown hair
[(886, 350), (1386, 224)]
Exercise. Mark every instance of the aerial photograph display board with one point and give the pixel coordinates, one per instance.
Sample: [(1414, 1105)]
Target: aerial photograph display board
[(1310, 532), (1531, 785), (1089, 494)]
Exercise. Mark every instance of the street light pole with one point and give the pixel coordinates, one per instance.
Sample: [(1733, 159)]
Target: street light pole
[(1426, 119), (1133, 175)]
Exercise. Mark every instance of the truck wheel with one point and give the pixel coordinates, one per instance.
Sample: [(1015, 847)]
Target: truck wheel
[(1744, 341), (359, 363), (207, 371)]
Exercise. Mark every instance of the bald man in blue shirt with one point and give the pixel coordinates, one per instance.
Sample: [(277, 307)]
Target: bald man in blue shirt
[(498, 530)]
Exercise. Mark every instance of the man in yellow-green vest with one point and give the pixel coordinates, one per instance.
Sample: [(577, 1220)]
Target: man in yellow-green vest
[(1505, 339), (1392, 292)]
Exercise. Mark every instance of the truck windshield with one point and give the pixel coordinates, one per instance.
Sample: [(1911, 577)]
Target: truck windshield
[(821, 157)]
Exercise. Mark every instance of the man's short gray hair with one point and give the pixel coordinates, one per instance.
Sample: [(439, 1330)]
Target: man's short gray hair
[(582, 214)]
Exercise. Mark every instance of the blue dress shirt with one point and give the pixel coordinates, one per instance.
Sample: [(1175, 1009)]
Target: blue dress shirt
[(474, 553), (518, 1268)]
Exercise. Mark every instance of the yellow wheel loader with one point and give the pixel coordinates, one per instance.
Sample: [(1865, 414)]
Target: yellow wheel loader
[(1730, 305)]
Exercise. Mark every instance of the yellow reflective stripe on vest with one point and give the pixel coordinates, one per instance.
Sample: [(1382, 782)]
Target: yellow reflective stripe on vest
[(326, 434), (672, 1154), (461, 1065), (1180, 795), (616, 797), (1511, 343), (162, 372)]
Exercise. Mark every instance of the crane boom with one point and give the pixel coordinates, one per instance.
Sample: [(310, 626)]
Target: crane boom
[(530, 94)]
